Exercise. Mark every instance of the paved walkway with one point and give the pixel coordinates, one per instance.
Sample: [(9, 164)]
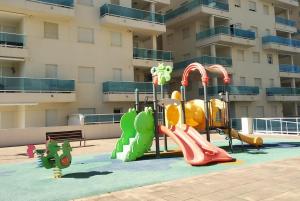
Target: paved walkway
[(272, 181)]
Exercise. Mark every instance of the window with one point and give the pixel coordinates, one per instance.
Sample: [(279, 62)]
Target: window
[(85, 2), (258, 82), (118, 110), (116, 2), (271, 82), (117, 74), (51, 71), (50, 30), (270, 58), (266, 10), (51, 118), (252, 6), (116, 39), (243, 81), (85, 35), (256, 57), (240, 55), (185, 32), (87, 111), (86, 74), (237, 3), (274, 110), (259, 111), (170, 39), (244, 111)]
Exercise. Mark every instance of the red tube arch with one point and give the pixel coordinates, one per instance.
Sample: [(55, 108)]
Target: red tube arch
[(192, 67), (220, 70)]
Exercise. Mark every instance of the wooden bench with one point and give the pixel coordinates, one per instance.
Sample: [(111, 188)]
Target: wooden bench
[(75, 135)]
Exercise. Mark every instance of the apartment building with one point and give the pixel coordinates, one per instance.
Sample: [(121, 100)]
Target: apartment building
[(254, 39), (63, 57)]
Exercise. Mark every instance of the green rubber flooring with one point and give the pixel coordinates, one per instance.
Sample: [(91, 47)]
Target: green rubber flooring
[(98, 174)]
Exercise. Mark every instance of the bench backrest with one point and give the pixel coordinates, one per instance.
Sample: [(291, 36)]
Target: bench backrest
[(62, 135)]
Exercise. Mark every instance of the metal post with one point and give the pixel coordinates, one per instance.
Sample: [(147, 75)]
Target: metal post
[(281, 125), (137, 100), (156, 122), (183, 98), (228, 120), (206, 113), (163, 120)]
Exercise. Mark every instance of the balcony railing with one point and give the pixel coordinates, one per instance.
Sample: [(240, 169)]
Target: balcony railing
[(131, 13), (283, 91), (233, 90), (102, 118), (128, 87), (11, 39), (187, 7), (205, 60), (31, 85), (61, 3), (285, 21), (223, 30), (158, 55), (289, 68), (281, 41)]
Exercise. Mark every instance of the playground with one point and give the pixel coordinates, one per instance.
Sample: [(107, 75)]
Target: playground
[(172, 139)]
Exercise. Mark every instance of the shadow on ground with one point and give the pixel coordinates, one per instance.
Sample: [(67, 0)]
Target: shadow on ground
[(86, 175)]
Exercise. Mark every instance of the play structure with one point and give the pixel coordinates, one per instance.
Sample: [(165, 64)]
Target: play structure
[(56, 157), (181, 121)]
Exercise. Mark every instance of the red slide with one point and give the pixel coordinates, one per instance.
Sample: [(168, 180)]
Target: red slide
[(196, 150)]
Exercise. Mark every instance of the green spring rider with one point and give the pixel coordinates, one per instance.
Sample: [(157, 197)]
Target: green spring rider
[(55, 159)]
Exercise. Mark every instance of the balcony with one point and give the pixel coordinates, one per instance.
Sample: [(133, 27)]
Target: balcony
[(226, 36), (289, 70), (150, 58), (196, 9), (12, 46), (16, 90), (60, 9), (204, 60), (236, 93), (283, 94), (286, 25), (125, 91), (277, 43), (60, 3), (293, 3), (134, 19)]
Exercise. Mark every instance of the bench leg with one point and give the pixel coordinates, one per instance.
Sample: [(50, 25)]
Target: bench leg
[(80, 142)]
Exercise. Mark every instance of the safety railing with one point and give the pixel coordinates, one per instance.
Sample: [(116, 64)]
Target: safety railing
[(12, 39), (129, 87), (223, 30), (284, 21), (131, 13), (205, 60), (276, 125), (282, 91), (149, 54), (233, 90), (281, 41), (27, 85), (61, 3), (289, 68), (187, 7)]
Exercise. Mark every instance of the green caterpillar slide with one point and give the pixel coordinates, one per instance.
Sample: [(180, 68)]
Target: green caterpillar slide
[(137, 135)]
